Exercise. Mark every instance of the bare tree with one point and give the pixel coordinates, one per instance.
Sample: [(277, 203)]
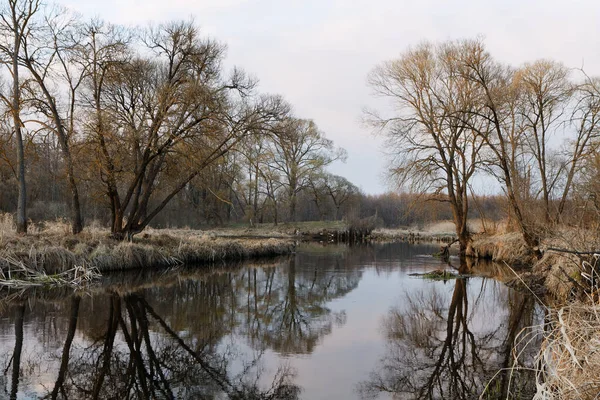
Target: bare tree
[(585, 119), (434, 129), (161, 120), (300, 150), (543, 90), (16, 20), (496, 98), (335, 188), (272, 186), (48, 55), (340, 190)]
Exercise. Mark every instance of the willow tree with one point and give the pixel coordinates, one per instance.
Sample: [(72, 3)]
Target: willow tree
[(544, 91), (583, 146), (162, 115), (436, 148), (498, 97)]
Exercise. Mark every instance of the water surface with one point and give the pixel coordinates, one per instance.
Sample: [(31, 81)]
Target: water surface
[(333, 322)]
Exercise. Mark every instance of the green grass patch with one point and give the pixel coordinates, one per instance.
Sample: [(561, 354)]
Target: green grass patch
[(437, 275)]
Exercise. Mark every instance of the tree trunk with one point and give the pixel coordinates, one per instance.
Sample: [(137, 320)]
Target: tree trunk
[(293, 208), (16, 110), (21, 202), (76, 217), (63, 140)]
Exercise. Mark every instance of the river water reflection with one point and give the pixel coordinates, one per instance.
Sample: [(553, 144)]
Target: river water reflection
[(332, 322)]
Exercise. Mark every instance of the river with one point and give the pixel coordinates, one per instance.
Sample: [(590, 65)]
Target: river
[(330, 322)]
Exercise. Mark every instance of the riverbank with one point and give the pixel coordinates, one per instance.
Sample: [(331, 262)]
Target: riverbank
[(566, 282), (560, 272), (53, 252), (49, 248)]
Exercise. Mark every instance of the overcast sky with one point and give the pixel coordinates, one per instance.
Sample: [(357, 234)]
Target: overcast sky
[(317, 53)]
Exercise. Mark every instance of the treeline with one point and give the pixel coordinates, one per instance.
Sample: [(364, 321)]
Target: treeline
[(139, 126), (389, 210), (460, 113)]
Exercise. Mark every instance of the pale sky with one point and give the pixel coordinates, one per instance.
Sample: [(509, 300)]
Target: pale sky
[(317, 53)]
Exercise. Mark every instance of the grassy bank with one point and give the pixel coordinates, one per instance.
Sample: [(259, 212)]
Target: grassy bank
[(411, 236), (562, 274), (282, 230), (52, 250), (508, 247)]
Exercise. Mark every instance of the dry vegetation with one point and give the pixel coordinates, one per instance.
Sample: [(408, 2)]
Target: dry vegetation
[(508, 247), (568, 360), (443, 230), (570, 354), (51, 250)]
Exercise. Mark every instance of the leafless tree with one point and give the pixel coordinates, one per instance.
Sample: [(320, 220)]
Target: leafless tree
[(544, 90), (497, 99), (300, 150), (49, 55), (434, 128), (161, 120), (16, 21)]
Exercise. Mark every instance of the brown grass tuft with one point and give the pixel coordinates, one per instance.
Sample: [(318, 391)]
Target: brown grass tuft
[(7, 225), (570, 354), (508, 247), (560, 270)]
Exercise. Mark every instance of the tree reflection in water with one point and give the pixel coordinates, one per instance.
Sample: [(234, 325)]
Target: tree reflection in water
[(443, 348), (288, 313), (178, 338), (139, 355)]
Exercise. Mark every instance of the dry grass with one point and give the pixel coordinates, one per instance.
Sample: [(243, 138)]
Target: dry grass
[(282, 230), (476, 225), (569, 358), (7, 225), (561, 271), (50, 249), (15, 274), (436, 231), (406, 235), (508, 247)]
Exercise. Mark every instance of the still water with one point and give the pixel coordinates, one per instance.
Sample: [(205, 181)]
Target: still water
[(332, 322)]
